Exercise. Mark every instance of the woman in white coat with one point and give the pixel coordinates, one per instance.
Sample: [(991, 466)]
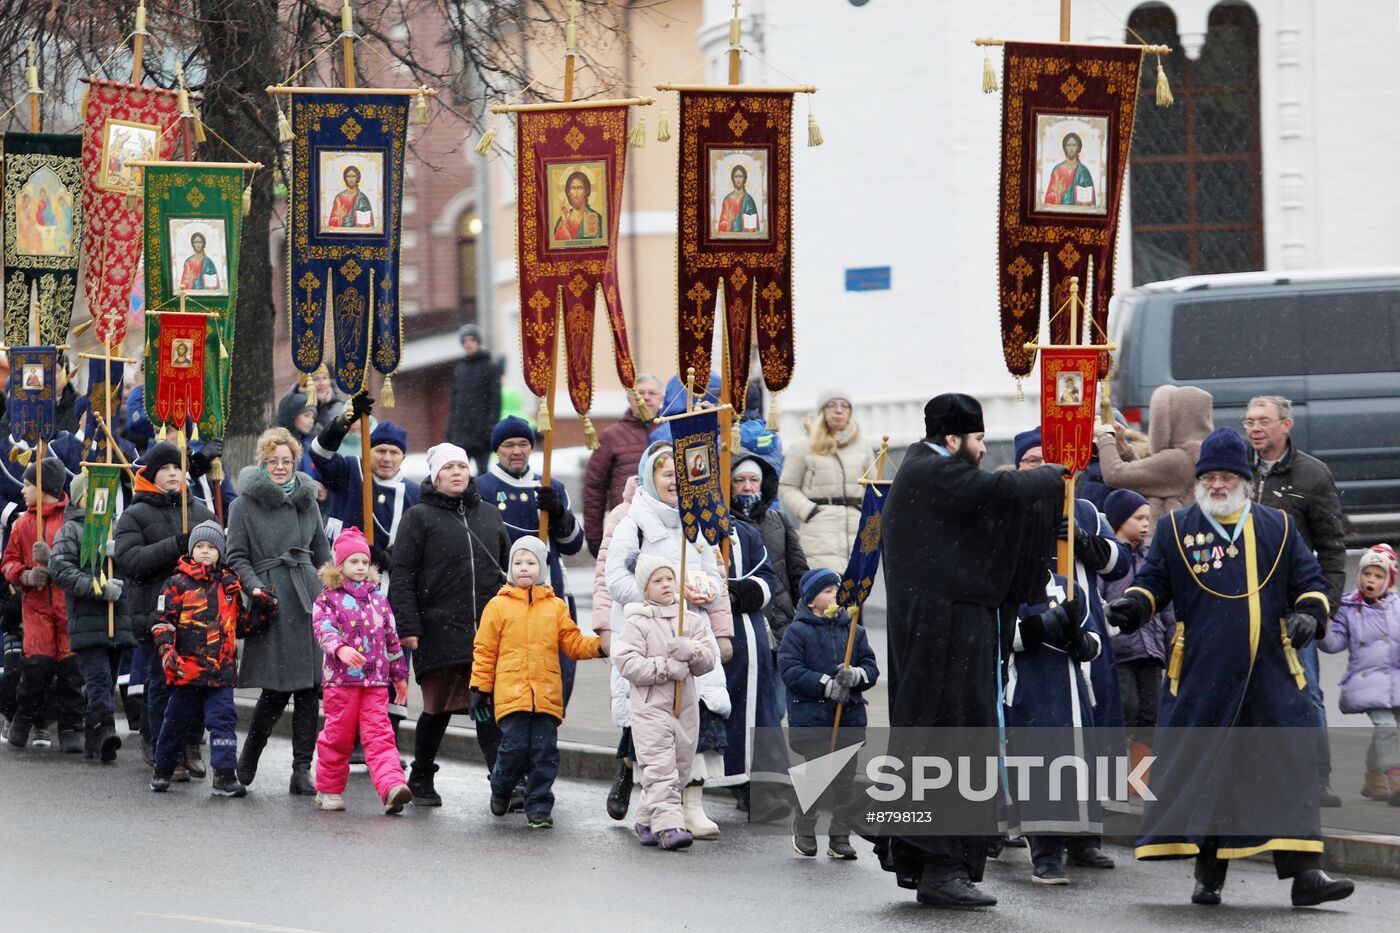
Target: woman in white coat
[(820, 486)]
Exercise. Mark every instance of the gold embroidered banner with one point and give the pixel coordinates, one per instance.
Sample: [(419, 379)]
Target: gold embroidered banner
[(43, 227)]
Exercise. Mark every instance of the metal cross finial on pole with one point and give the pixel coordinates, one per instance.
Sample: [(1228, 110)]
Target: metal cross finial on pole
[(734, 45)]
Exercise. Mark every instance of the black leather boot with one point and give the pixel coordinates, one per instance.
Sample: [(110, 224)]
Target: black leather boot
[(265, 715), (108, 741), (303, 743)]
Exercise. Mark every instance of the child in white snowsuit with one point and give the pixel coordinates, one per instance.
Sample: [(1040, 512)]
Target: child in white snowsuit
[(657, 660)]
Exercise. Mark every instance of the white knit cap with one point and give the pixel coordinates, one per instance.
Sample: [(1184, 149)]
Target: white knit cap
[(746, 467), (441, 455), (648, 564), (1379, 556), (828, 395), (536, 547)]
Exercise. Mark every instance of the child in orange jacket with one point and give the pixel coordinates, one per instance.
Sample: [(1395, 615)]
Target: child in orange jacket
[(48, 658), (515, 675)]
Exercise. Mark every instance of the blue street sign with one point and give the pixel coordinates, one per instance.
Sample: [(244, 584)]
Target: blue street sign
[(871, 279)]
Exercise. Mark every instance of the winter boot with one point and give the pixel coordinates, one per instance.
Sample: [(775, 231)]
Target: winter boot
[(330, 802), (20, 727), (839, 847), (398, 798), (1315, 886), (265, 716), (697, 823), (92, 725), (301, 784), (645, 836), (181, 774), (134, 708), (226, 784), (41, 738), (1375, 787), (193, 763), (500, 803), (160, 781), (420, 781), (620, 794), (70, 741), (107, 740), (673, 839), (804, 844)]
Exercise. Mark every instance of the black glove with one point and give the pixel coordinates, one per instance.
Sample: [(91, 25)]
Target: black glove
[(1301, 628), (203, 459), (333, 434), (551, 503), (1081, 646), (745, 595), (1047, 628), (1129, 613), (1060, 468), (479, 706), (182, 541), (594, 546), (379, 557), (360, 406), (1092, 549)]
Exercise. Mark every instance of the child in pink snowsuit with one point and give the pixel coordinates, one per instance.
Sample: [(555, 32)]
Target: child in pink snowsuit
[(355, 628), (657, 661)]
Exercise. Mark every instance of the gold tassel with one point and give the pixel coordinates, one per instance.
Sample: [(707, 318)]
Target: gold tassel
[(223, 349), (420, 110), (1295, 666), (1178, 651), (22, 457), (1164, 89), (195, 436), (96, 587), (284, 127), (216, 470), (1020, 390), (199, 136), (132, 201), (590, 434), (814, 132), (989, 74), (663, 127), (484, 145), (637, 135), (82, 111), (736, 440), (248, 199), (774, 424), (386, 395), (162, 434), (643, 411), (542, 423)]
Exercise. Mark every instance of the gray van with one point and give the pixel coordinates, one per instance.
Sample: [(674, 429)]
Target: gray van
[(1330, 341)]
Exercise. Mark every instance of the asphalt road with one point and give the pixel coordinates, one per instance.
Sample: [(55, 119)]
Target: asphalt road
[(85, 847)]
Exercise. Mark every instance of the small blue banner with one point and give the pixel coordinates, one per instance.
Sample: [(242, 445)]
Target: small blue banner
[(870, 279)]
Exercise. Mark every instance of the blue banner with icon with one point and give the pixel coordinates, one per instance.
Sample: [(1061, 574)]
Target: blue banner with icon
[(695, 440), (32, 393)]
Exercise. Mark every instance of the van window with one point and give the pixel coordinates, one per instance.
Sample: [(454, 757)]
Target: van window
[(1229, 339), (1352, 332)]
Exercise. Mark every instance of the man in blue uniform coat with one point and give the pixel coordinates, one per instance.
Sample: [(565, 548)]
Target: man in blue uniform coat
[(344, 480), (1248, 594)]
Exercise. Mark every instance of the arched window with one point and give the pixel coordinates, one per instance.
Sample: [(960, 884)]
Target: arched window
[(468, 229), (1197, 202)]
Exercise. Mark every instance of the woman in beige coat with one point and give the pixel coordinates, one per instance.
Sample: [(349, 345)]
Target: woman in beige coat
[(820, 488), (1179, 418)]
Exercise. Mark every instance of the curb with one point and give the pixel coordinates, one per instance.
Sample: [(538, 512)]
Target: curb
[(1376, 856), (576, 760)]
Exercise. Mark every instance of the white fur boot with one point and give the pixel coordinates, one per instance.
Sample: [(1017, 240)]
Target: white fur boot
[(696, 822)]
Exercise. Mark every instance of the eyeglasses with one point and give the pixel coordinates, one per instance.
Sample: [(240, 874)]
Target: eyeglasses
[(1260, 422), (1220, 478), (281, 463)]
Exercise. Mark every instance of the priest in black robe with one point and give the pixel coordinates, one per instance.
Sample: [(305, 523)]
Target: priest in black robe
[(963, 548)]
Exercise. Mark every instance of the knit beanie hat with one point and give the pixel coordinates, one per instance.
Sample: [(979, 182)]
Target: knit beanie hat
[(1223, 449), (1025, 441), (827, 396), (511, 427), (536, 547), (386, 432), (158, 455), (77, 488), (469, 330), (53, 472), (647, 565), (210, 531), (746, 467), (440, 455), (1381, 556), (816, 580), (350, 541), (1120, 505)]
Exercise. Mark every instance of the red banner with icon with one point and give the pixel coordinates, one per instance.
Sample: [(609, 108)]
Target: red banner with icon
[(180, 368), (1068, 385)]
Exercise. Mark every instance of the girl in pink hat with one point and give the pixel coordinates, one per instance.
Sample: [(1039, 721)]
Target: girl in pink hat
[(355, 628)]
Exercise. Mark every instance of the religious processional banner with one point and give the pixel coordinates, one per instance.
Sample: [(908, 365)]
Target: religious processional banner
[(179, 365), (735, 208), (347, 188), (122, 123), (695, 441), (102, 486), (865, 551), (1068, 387), (103, 398), (43, 226), (570, 166), (1067, 124), (194, 225), (32, 393)]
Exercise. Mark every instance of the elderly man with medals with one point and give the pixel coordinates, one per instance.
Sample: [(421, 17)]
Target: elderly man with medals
[(1248, 594)]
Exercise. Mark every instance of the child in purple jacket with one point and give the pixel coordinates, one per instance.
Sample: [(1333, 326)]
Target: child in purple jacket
[(355, 628), (1367, 627)]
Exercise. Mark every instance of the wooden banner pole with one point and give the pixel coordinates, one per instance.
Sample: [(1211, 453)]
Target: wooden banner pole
[(1064, 20), (138, 44), (685, 545), (1064, 553), (34, 90), (734, 35)]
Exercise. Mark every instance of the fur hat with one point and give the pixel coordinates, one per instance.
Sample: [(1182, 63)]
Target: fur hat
[(511, 427), (536, 547), (53, 472), (350, 541), (1223, 449), (816, 580), (952, 413), (1025, 441), (207, 530), (1379, 556), (1120, 505), (647, 565), (386, 432)]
